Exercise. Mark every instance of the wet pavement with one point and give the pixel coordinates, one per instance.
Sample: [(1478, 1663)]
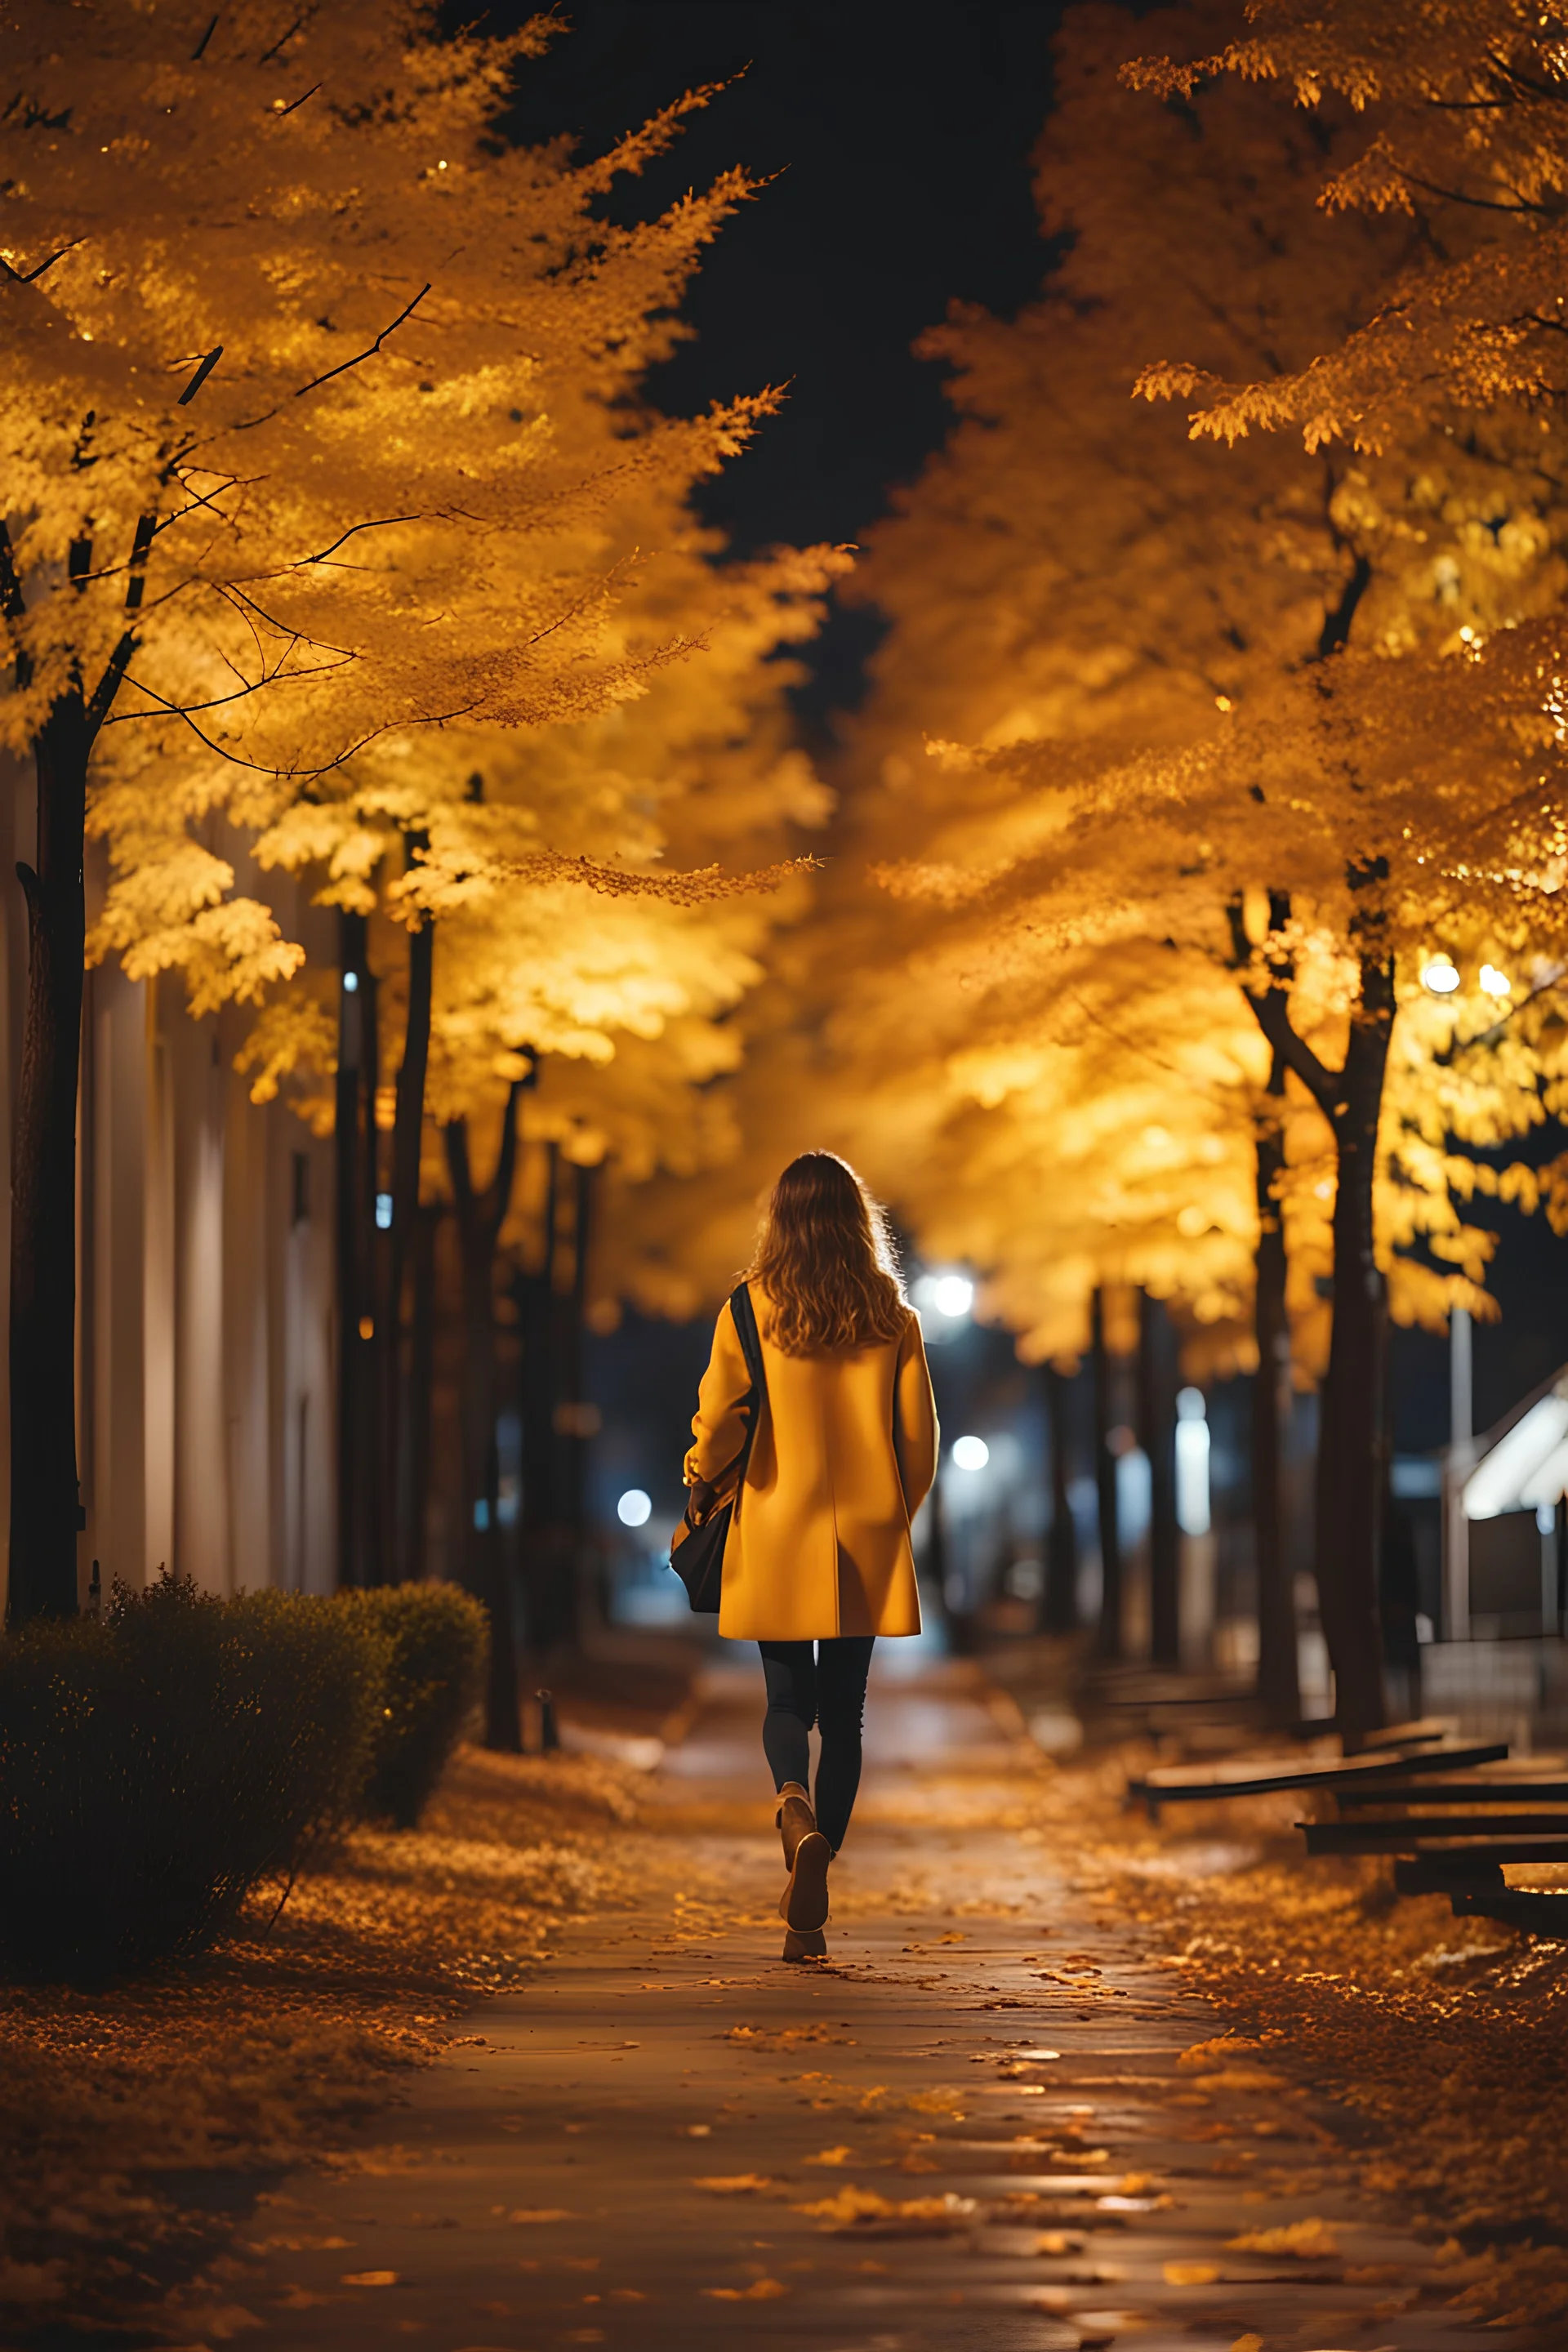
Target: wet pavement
[(973, 2127)]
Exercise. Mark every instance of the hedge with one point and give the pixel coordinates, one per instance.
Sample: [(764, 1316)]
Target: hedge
[(155, 1764), (436, 1638)]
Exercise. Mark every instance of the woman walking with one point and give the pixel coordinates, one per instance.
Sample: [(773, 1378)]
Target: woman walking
[(843, 1449)]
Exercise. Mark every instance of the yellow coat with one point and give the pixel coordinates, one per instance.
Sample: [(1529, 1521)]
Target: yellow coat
[(843, 1456)]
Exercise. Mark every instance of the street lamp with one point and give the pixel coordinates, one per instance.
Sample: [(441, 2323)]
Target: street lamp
[(634, 1508), (1439, 977)]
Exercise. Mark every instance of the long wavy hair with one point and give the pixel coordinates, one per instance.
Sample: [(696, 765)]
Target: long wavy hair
[(825, 1257)]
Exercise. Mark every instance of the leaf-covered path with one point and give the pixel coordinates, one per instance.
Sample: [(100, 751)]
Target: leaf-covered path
[(992, 2120)]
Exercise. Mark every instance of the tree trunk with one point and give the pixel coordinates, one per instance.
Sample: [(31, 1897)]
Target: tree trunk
[(418, 1390), (1350, 1440), (1349, 1428), (1157, 1411), (46, 1500), (356, 1360), (479, 1219), (539, 1391), (1278, 1685), (403, 1405), (576, 1415), (1109, 1639), (1060, 1611)]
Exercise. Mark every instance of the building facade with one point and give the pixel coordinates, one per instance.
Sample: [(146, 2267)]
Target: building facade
[(205, 1309)]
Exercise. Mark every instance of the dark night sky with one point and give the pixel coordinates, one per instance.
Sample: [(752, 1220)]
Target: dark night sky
[(899, 136), (897, 142)]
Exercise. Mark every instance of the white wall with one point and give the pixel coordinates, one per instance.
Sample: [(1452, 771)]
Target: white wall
[(204, 1339)]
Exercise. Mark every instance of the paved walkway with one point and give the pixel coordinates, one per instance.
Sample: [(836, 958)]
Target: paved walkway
[(969, 2131)]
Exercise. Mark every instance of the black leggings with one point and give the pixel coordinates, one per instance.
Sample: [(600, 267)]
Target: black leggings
[(822, 1683)]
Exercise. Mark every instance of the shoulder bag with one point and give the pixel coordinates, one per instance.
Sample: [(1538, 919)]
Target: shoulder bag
[(697, 1554)]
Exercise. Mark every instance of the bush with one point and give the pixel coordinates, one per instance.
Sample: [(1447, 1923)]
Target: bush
[(436, 1635), (156, 1765)]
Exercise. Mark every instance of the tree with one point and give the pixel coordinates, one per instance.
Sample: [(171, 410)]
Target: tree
[(536, 953), (1067, 586), (305, 386), (1418, 808), (1466, 140)]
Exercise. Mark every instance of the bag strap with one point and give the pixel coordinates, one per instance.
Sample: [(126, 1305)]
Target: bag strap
[(745, 1320)]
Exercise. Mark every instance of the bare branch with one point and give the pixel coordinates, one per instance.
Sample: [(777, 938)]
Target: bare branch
[(267, 768), (31, 277), (280, 43), (166, 709), (384, 523), (200, 377), (282, 110), (140, 547), (248, 423), (108, 685), (1272, 1015)]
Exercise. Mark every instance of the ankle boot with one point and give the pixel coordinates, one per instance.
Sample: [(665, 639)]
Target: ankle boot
[(795, 1819), (804, 1902), (809, 1944)]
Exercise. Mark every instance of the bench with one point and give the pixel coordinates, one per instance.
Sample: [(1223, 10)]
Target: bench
[(1179, 1784)]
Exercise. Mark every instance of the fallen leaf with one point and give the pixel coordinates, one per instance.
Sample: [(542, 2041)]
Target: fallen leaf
[(861, 2213), (370, 2278), (762, 2290), (1311, 2241), (1248, 2344), (1191, 2273), (735, 2184), (1207, 2053), (831, 2156)]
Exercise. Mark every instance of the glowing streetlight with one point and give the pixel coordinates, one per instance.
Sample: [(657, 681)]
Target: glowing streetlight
[(952, 1295), (1494, 983), (634, 1508), (1192, 1463), (970, 1454), (1440, 977)]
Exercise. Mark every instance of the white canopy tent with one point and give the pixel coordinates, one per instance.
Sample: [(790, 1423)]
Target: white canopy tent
[(1518, 1468)]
